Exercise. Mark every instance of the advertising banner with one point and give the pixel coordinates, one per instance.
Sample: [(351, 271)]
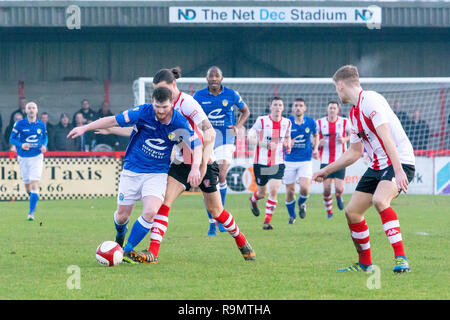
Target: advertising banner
[(276, 15), (64, 178)]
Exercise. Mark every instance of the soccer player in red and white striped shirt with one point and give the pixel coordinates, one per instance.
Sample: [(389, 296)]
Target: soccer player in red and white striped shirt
[(272, 136), (334, 133), (376, 128)]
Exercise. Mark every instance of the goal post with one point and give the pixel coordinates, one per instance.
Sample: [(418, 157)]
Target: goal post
[(413, 99)]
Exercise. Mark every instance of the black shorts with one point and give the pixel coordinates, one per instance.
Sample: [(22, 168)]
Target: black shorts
[(180, 172), (369, 181), (264, 173), (340, 174)]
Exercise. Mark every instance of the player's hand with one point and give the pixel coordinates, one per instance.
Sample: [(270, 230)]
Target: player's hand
[(76, 132), (315, 154), (320, 175), (26, 146), (401, 181), (194, 178), (43, 149), (235, 130), (321, 142), (102, 131)]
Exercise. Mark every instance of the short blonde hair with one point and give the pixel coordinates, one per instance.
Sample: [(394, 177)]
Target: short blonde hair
[(347, 73)]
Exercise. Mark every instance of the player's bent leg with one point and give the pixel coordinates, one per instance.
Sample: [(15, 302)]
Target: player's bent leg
[(260, 193), (174, 189), (214, 205), (121, 218), (224, 165), (385, 192), (359, 231)]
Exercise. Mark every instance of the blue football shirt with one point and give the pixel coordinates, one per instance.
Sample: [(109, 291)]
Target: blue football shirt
[(150, 146), (34, 133), (301, 135), (220, 111)]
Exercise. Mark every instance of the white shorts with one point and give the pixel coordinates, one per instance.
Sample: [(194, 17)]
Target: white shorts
[(135, 186), (31, 168), (297, 170), (225, 152)]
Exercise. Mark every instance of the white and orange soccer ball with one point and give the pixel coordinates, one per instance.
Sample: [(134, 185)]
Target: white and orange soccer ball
[(109, 254)]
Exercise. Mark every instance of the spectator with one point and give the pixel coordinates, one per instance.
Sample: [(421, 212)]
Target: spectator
[(402, 116), (50, 128), (21, 109), (59, 139), (17, 116), (88, 114), (110, 139), (83, 142), (420, 132)]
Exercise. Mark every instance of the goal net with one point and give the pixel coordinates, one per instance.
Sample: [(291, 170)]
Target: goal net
[(421, 104)]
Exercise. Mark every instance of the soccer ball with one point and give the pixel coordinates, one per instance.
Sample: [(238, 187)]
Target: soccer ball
[(109, 253)]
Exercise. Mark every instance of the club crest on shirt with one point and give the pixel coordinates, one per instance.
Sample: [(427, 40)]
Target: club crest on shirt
[(38, 131), (224, 102), (307, 130), (172, 136)]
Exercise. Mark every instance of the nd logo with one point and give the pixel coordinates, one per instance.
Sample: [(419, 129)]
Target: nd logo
[(187, 14)]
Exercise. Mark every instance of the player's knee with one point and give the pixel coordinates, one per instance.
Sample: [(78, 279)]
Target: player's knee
[(379, 203), (149, 214), (215, 211)]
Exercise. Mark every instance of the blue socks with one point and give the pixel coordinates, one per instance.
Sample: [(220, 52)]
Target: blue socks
[(138, 232), (121, 228), (302, 199), (34, 198), (291, 209)]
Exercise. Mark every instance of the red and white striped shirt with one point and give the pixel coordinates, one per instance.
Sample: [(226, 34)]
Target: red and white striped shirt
[(267, 130), (193, 112), (332, 149), (372, 111)]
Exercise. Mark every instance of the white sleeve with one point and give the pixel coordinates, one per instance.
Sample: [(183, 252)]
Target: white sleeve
[(192, 110), (375, 108), (255, 129)]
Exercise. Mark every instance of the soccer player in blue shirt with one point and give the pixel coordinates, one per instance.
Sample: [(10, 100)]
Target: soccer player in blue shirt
[(298, 162), (30, 138), (218, 103), (157, 128)]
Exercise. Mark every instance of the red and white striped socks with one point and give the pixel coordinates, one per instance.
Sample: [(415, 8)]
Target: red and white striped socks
[(391, 227), (159, 228), (227, 220), (254, 197), (328, 203), (270, 208), (360, 237)]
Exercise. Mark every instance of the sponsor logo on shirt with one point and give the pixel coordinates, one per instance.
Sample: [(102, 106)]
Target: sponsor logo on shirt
[(216, 114), (155, 143)]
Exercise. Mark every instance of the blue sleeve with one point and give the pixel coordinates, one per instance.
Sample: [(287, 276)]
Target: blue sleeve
[(45, 142), (14, 137), (238, 100), (131, 116)]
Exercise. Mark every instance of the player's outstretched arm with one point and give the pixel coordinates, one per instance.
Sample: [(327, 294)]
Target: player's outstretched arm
[(101, 123), (384, 133), (350, 156), (119, 131)]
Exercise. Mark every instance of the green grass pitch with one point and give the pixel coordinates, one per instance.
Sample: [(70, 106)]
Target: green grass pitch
[(294, 262)]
